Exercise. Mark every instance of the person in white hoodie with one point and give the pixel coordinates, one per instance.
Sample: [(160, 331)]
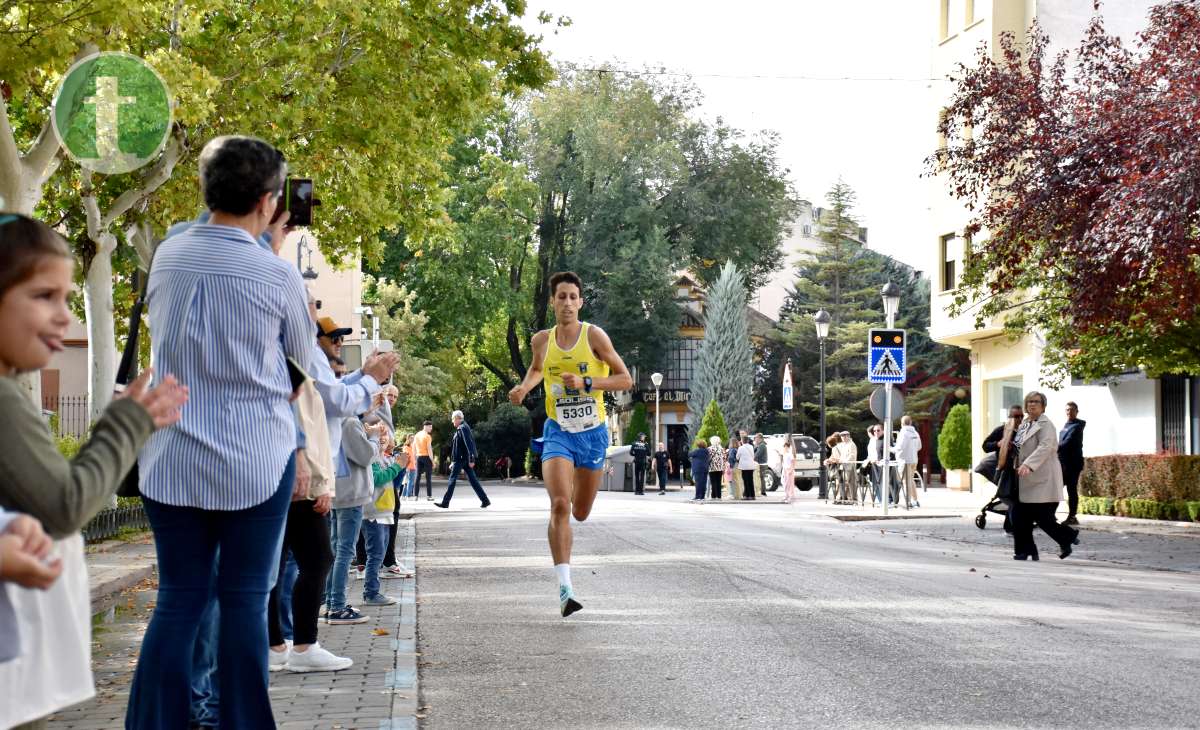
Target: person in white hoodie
[(908, 445)]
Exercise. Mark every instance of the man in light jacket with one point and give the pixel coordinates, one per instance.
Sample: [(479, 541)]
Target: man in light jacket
[(462, 458), (908, 445)]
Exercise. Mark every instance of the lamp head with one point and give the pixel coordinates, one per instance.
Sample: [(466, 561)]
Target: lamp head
[(891, 299), (822, 319), (656, 378)]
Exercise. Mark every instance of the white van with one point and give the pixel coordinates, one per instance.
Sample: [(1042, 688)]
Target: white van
[(808, 460)]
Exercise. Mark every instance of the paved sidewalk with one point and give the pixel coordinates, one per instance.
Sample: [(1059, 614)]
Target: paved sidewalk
[(116, 566), (379, 692)]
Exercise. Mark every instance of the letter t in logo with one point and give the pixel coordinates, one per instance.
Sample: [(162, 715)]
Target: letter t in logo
[(108, 103)]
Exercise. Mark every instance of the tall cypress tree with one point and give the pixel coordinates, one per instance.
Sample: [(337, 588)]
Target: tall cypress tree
[(725, 363)]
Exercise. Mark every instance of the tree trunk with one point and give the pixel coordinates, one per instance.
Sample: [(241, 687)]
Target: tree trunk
[(22, 179), (102, 347), (514, 349)]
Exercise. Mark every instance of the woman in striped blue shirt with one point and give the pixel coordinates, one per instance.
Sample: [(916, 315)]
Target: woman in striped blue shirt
[(225, 314)]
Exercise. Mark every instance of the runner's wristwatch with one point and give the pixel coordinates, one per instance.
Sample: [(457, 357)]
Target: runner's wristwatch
[(587, 384)]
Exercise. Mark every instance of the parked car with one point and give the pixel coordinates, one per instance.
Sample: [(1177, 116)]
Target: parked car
[(808, 460)]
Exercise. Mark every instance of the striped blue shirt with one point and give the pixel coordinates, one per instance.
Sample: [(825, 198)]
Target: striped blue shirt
[(224, 313)]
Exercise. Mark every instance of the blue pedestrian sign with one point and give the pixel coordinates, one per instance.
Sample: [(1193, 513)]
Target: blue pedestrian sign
[(886, 361), (787, 386)]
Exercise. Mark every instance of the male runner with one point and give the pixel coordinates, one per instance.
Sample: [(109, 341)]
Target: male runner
[(579, 364)]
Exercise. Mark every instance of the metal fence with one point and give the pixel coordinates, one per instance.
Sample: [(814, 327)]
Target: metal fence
[(110, 522), (72, 412)]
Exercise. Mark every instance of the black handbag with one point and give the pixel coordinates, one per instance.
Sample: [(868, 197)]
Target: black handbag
[(125, 374), (987, 467), (1006, 485)]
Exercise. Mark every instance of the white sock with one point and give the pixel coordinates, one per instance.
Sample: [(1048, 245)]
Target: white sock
[(564, 574)]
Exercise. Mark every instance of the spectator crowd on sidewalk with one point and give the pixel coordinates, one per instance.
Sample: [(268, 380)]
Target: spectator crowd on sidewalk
[(271, 476)]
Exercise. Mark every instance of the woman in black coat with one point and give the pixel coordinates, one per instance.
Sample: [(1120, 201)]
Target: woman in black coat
[(999, 442)]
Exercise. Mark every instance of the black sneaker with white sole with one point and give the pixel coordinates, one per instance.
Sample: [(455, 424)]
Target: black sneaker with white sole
[(347, 615)]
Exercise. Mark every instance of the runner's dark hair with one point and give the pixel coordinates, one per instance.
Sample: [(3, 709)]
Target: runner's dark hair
[(567, 277)]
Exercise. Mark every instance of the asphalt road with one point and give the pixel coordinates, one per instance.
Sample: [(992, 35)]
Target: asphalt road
[(770, 616)]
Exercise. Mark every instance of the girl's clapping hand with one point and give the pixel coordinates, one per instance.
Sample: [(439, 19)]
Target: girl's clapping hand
[(163, 402)]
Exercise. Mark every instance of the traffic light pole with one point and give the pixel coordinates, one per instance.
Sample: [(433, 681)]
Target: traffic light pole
[(887, 435)]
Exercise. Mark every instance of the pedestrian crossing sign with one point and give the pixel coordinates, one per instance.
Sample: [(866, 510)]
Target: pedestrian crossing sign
[(886, 361)]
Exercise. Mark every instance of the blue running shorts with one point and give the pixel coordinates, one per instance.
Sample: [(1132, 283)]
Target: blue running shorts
[(586, 449)]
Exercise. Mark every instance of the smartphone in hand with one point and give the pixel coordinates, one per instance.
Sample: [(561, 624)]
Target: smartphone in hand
[(297, 200)]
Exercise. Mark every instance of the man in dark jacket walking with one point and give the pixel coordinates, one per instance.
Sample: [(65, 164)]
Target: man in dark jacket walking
[(462, 458), (1070, 456)]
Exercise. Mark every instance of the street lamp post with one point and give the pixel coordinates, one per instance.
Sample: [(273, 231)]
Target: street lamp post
[(821, 320), (656, 379), (301, 246), (891, 303)]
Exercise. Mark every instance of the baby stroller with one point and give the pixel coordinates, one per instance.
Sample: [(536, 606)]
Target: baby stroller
[(996, 505)]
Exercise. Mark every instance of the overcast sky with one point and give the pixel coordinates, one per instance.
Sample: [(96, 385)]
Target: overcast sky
[(872, 133)]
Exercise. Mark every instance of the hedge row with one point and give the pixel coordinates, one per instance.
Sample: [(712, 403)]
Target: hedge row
[(1147, 509), (1162, 478)]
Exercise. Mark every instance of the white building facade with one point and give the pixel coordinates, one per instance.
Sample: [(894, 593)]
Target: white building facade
[(1127, 413)]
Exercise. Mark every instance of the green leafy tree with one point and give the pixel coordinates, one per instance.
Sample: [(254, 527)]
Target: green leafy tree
[(713, 424), (954, 440), (603, 173), (403, 325), (724, 369), (736, 203), (638, 424), (504, 433), (305, 81)]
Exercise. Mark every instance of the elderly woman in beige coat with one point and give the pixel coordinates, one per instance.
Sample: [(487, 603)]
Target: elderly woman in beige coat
[(1041, 483)]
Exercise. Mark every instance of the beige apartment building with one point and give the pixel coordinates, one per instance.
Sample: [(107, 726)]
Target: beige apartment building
[(1128, 413)]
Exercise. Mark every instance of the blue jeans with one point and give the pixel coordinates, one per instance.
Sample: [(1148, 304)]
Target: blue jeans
[(410, 483), (205, 695), (377, 539), (244, 546), (344, 525), (455, 468), (290, 573)]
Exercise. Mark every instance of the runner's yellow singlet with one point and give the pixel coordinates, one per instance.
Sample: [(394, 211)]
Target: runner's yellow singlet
[(573, 409)]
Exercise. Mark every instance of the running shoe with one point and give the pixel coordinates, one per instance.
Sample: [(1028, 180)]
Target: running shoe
[(379, 600), (277, 660), (567, 604), (317, 659)]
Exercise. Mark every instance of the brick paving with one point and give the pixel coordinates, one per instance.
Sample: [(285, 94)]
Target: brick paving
[(379, 692)]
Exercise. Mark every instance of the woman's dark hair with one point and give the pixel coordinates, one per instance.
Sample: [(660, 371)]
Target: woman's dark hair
[(24, 243), (565, 277), (236, 171)]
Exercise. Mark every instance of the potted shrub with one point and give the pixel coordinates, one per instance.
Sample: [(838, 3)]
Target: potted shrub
[(954, 447)]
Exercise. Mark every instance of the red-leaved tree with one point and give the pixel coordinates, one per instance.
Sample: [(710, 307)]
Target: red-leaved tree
[(1083, 176)]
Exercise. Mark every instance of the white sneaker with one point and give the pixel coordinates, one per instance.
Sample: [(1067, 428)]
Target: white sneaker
[(317, 659), (276, 660)]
